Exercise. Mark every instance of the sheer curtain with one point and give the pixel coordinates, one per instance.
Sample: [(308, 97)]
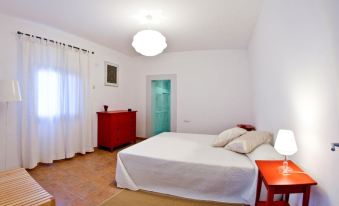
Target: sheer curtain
[(55, 109)]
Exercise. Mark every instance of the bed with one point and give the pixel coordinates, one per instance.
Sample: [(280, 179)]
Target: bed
[(186, 165)]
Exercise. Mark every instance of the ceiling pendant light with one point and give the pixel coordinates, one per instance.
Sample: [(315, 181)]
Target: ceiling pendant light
[(149, 42)]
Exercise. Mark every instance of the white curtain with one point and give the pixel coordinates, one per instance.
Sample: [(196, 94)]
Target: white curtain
[(55, 109)]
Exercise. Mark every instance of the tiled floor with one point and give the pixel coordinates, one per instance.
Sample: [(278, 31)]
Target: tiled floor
[(83, 180)]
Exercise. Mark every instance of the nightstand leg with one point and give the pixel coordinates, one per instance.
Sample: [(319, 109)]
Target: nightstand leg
[(306, 196), (270, 196), (287, 197), (258, 188)]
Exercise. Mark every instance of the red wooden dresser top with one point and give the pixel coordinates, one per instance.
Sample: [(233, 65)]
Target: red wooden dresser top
[(115, 111), (270, 170)]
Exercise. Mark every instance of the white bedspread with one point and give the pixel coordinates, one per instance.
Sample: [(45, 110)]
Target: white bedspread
[(186, 165)]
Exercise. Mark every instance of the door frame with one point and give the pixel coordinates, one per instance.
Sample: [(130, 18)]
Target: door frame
[(173, 79)]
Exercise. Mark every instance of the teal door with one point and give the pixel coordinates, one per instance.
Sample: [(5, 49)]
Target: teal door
[(161, 106)]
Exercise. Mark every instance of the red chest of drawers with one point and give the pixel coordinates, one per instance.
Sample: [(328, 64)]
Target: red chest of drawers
[(116, 128)]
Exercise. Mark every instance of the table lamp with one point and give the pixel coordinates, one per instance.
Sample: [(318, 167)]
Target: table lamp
[(285, 145), (9, 92)]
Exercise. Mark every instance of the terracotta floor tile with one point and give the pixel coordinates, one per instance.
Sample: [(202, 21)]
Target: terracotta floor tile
[(85, 180)]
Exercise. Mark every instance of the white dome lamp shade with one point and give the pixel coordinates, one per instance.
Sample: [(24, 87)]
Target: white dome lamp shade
[(149, 42)]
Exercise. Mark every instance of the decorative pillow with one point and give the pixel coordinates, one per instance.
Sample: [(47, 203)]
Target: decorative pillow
[(228, 135), (249, 141)]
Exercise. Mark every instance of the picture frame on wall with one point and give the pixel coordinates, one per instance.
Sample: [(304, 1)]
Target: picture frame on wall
[(111, 74)]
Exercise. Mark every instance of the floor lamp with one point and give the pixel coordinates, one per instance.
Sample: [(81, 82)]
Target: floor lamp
[(9, 92)]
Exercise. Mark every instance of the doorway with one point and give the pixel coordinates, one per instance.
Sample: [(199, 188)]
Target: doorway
[(161, 104)]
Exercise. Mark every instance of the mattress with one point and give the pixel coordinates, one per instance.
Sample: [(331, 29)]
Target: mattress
[(186, 165)]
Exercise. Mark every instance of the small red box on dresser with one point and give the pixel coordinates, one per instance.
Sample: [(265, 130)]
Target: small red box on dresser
[(116, 128)]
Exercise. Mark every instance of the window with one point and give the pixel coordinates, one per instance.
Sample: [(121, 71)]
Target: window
[(73, 94), (48, 93), (57, 95)]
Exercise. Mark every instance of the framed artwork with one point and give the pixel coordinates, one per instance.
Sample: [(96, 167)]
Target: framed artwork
[(111, 74)]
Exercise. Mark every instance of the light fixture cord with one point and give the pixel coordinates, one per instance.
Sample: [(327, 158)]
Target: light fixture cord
[(149, 18)]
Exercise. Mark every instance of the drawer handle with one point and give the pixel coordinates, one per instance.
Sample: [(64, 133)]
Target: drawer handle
[(334, 145)]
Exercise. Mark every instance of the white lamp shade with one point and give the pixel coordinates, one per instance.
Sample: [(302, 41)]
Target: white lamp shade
[(149, 42), (285, 143), (9, 91)]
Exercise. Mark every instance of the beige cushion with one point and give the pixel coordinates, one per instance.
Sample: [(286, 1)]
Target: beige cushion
[(249, 141), (228, 135)]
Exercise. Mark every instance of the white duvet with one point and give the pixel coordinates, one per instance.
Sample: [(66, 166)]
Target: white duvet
[(186, 165)]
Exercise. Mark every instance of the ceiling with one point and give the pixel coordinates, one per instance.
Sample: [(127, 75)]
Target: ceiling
[(187, 24)]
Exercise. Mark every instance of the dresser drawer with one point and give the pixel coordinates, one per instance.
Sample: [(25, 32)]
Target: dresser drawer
[(116, 128)]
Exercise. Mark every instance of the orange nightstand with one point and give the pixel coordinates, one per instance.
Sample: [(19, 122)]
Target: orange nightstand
[(277, 183)]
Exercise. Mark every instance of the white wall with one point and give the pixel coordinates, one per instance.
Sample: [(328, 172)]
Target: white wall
[(116, 97), (294, 57), (213, 88)]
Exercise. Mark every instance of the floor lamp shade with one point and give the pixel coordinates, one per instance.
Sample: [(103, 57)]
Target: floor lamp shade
[(9, 91)]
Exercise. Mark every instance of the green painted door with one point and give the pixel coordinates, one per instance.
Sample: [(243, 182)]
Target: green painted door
[(161, 106)]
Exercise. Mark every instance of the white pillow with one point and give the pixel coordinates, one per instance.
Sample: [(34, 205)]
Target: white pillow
[(249, 141), (228, 135)]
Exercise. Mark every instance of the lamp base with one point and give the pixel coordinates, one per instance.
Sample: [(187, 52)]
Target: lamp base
[(284, 169)]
